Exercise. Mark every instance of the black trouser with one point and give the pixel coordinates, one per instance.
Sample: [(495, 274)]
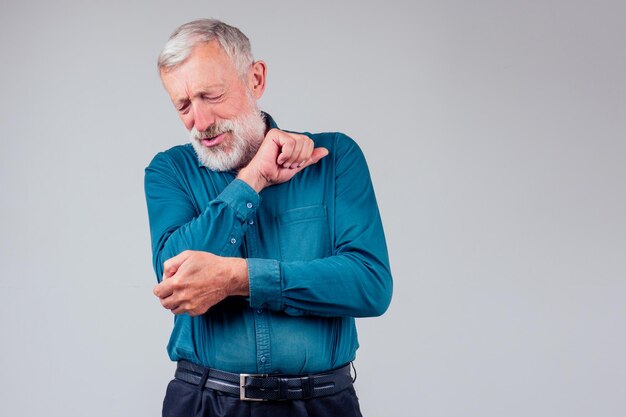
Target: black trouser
[(183, 399)]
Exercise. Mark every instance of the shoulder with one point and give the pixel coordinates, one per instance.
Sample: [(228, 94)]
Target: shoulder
[(338, 144), (177, 156)]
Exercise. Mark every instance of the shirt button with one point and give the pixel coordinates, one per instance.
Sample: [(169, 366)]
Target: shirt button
[(233, 240), (251, 222), (249, 205), (263, 359), (259, 311)]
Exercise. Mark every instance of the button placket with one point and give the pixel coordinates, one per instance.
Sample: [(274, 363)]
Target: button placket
[(262, 333), (252, 236), (261, 316)]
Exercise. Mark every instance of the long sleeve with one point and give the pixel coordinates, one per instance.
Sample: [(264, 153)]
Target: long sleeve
[(315, 250), (178, 224), (355, 279)]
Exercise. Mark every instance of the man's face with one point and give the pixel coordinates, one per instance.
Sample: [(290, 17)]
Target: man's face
[(217, 106)]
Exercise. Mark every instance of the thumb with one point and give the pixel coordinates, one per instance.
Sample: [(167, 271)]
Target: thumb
[(318, 153), (171, 265)]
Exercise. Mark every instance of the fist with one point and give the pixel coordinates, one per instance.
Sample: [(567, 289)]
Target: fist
[(195, 281), (280, 156)]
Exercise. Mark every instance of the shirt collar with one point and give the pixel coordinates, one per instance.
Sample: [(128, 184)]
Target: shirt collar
[(270, 123)]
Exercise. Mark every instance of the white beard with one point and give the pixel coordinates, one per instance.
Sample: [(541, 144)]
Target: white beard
[(246, 134)]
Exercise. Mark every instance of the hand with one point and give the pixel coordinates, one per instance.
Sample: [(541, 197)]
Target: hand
[(194, 281), (281, 156)]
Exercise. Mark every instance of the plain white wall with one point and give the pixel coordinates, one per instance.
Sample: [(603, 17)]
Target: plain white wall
[(494, 131)]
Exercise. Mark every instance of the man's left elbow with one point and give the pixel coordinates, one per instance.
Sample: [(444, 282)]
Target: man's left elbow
[(379, 303), (382, 307)]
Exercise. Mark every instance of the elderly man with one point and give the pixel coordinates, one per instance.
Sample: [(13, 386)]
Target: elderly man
[(266, 243)]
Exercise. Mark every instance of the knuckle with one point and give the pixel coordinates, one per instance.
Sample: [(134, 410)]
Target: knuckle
[(181, 295), (272, 133)]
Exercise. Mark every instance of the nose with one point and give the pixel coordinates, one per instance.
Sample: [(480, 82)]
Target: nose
[(202, 117)]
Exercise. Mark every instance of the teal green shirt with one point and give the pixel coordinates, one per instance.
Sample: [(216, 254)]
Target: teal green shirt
[(316, 257)]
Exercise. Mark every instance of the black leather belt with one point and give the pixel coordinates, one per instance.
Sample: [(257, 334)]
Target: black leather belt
[(262, 387)]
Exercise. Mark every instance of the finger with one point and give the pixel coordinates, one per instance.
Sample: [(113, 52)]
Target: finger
[(274, 135), (164, 289), (171, 265), (307, 151), (295, 153), (170, 303), (179, 310), (299, 156), (287, 146), (318, 153), (271, 143)]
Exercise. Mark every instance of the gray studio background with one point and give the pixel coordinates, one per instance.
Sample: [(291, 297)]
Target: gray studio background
[(494, 131)]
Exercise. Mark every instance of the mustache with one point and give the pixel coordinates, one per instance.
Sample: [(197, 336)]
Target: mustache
[(213, 130)]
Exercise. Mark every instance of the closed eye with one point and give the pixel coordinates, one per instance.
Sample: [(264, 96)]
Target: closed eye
[(213, 98), (183, 108)]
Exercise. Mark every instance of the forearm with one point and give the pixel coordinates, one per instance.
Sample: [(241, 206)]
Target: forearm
[(341, 285), (219, 229), (178, 224)]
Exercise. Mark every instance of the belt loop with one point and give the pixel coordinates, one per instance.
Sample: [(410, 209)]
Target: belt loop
[(283, 388), (205, 376), (307, 385), (200, 393), (353, 367)]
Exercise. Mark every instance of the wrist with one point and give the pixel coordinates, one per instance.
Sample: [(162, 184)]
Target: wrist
[(253, 179), (239, 282)]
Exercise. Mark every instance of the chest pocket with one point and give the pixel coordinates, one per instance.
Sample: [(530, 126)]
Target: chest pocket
[(303, 234)]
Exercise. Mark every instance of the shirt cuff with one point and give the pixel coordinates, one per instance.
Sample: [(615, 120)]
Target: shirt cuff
[(242, 198), (265, 284)]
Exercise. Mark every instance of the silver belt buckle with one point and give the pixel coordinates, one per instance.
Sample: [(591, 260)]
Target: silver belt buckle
[(242, 386)]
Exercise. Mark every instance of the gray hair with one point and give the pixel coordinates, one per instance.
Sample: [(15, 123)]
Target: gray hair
[(186, 37)]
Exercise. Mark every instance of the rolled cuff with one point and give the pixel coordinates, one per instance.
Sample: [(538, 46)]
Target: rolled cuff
[(265, 284), (242, 198)]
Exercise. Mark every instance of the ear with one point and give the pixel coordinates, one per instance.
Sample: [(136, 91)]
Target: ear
[(256, 79)]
